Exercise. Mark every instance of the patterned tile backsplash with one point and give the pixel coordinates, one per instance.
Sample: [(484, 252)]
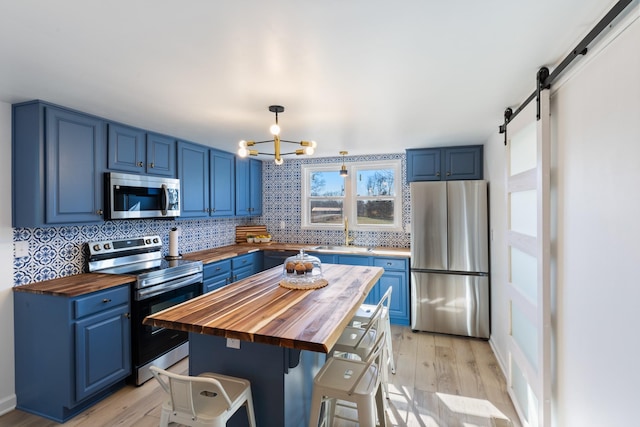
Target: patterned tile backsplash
[(61, 251)]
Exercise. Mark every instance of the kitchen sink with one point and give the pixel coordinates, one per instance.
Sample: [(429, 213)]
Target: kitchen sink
[(343, 249)]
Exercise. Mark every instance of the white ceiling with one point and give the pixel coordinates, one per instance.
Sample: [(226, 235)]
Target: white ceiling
[(367, 76)]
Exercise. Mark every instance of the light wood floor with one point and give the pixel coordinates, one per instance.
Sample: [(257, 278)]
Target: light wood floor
[(440, 381)]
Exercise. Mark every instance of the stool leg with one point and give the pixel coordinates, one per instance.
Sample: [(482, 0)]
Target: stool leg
[(366, 412), (250, 412), (381, 408), (392, 363), (316, 406)]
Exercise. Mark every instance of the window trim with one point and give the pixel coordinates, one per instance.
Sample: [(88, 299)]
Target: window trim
[(350, 199)]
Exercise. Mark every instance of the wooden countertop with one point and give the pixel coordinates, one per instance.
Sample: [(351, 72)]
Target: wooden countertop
[(258, 309), (78, 284), (218, 254), (85, 283)]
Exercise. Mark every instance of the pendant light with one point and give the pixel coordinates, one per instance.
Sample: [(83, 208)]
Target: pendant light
[(308, 146), (343, 169)]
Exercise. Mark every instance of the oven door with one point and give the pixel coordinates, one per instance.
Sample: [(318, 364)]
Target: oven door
[(138, 196), (150, 342)]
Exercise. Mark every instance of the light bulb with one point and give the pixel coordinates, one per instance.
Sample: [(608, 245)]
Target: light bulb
[(275, 129), (279, 161), (309, 151), (313, 144), (242, 144), (243, 152)]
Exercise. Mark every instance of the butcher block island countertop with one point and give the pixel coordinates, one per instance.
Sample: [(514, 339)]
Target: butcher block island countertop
[(257, 309)]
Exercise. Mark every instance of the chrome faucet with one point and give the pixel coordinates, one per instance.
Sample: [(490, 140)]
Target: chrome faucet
[(347, 240)]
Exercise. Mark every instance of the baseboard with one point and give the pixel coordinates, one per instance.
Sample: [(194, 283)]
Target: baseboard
[(501, 362), (8, 404)]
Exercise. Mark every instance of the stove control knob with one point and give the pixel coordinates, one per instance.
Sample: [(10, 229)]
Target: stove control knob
[(96, 248), (148, 241), (155, 240), (107, 246)]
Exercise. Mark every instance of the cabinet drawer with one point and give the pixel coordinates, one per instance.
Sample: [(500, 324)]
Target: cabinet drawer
[(216, 269), (390, 263), (354, 260), (100, 301), (242, 261)]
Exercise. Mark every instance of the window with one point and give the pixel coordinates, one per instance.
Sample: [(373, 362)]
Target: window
[(370, 196)]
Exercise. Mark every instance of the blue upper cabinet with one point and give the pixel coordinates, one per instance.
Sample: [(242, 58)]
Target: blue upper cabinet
[(424, 164), (445, 163), (222, 176), (161, 155), (207, 181), (126, 149), (136, 151), (463, 162), (58, 161), (193, 172), (248, 187)]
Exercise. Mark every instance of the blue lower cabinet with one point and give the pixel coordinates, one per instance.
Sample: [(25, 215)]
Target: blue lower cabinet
[(396, 275), (325, 258), (221, 273), (216, 275), (246, 265), (70, 352)]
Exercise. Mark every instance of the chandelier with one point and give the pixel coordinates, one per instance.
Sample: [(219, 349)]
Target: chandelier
[(308, 146)]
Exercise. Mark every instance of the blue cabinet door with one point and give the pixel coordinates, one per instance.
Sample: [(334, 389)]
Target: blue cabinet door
[(222, 174), (423, 164), (103, 351), (248, 187), (74, 147), (243, 196), (463, 162), (396, 275), (399, 306), (255, 186), (126, 148), (161, 155), (193, 172)]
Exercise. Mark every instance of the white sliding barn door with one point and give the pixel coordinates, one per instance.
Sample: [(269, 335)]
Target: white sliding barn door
[(529, 299)]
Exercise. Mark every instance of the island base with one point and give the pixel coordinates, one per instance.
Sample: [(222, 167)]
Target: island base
[(281, 378)]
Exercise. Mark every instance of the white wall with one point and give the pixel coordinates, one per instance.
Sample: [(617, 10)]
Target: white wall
[(596, 150), (7, 377)]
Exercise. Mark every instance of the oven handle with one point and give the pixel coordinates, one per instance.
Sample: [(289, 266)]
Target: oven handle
[(142, 294)]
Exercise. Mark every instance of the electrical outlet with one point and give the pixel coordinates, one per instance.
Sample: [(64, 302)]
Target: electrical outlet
[(282, 224), (233, 343), (21, 249)]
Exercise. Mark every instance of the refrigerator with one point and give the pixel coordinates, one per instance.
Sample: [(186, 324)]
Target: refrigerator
[(450, 258)]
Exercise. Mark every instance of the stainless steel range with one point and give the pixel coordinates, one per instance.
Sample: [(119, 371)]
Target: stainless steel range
[(160, 283)]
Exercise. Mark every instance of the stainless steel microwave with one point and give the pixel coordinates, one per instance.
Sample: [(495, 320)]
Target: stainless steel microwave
[(139, 196)]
